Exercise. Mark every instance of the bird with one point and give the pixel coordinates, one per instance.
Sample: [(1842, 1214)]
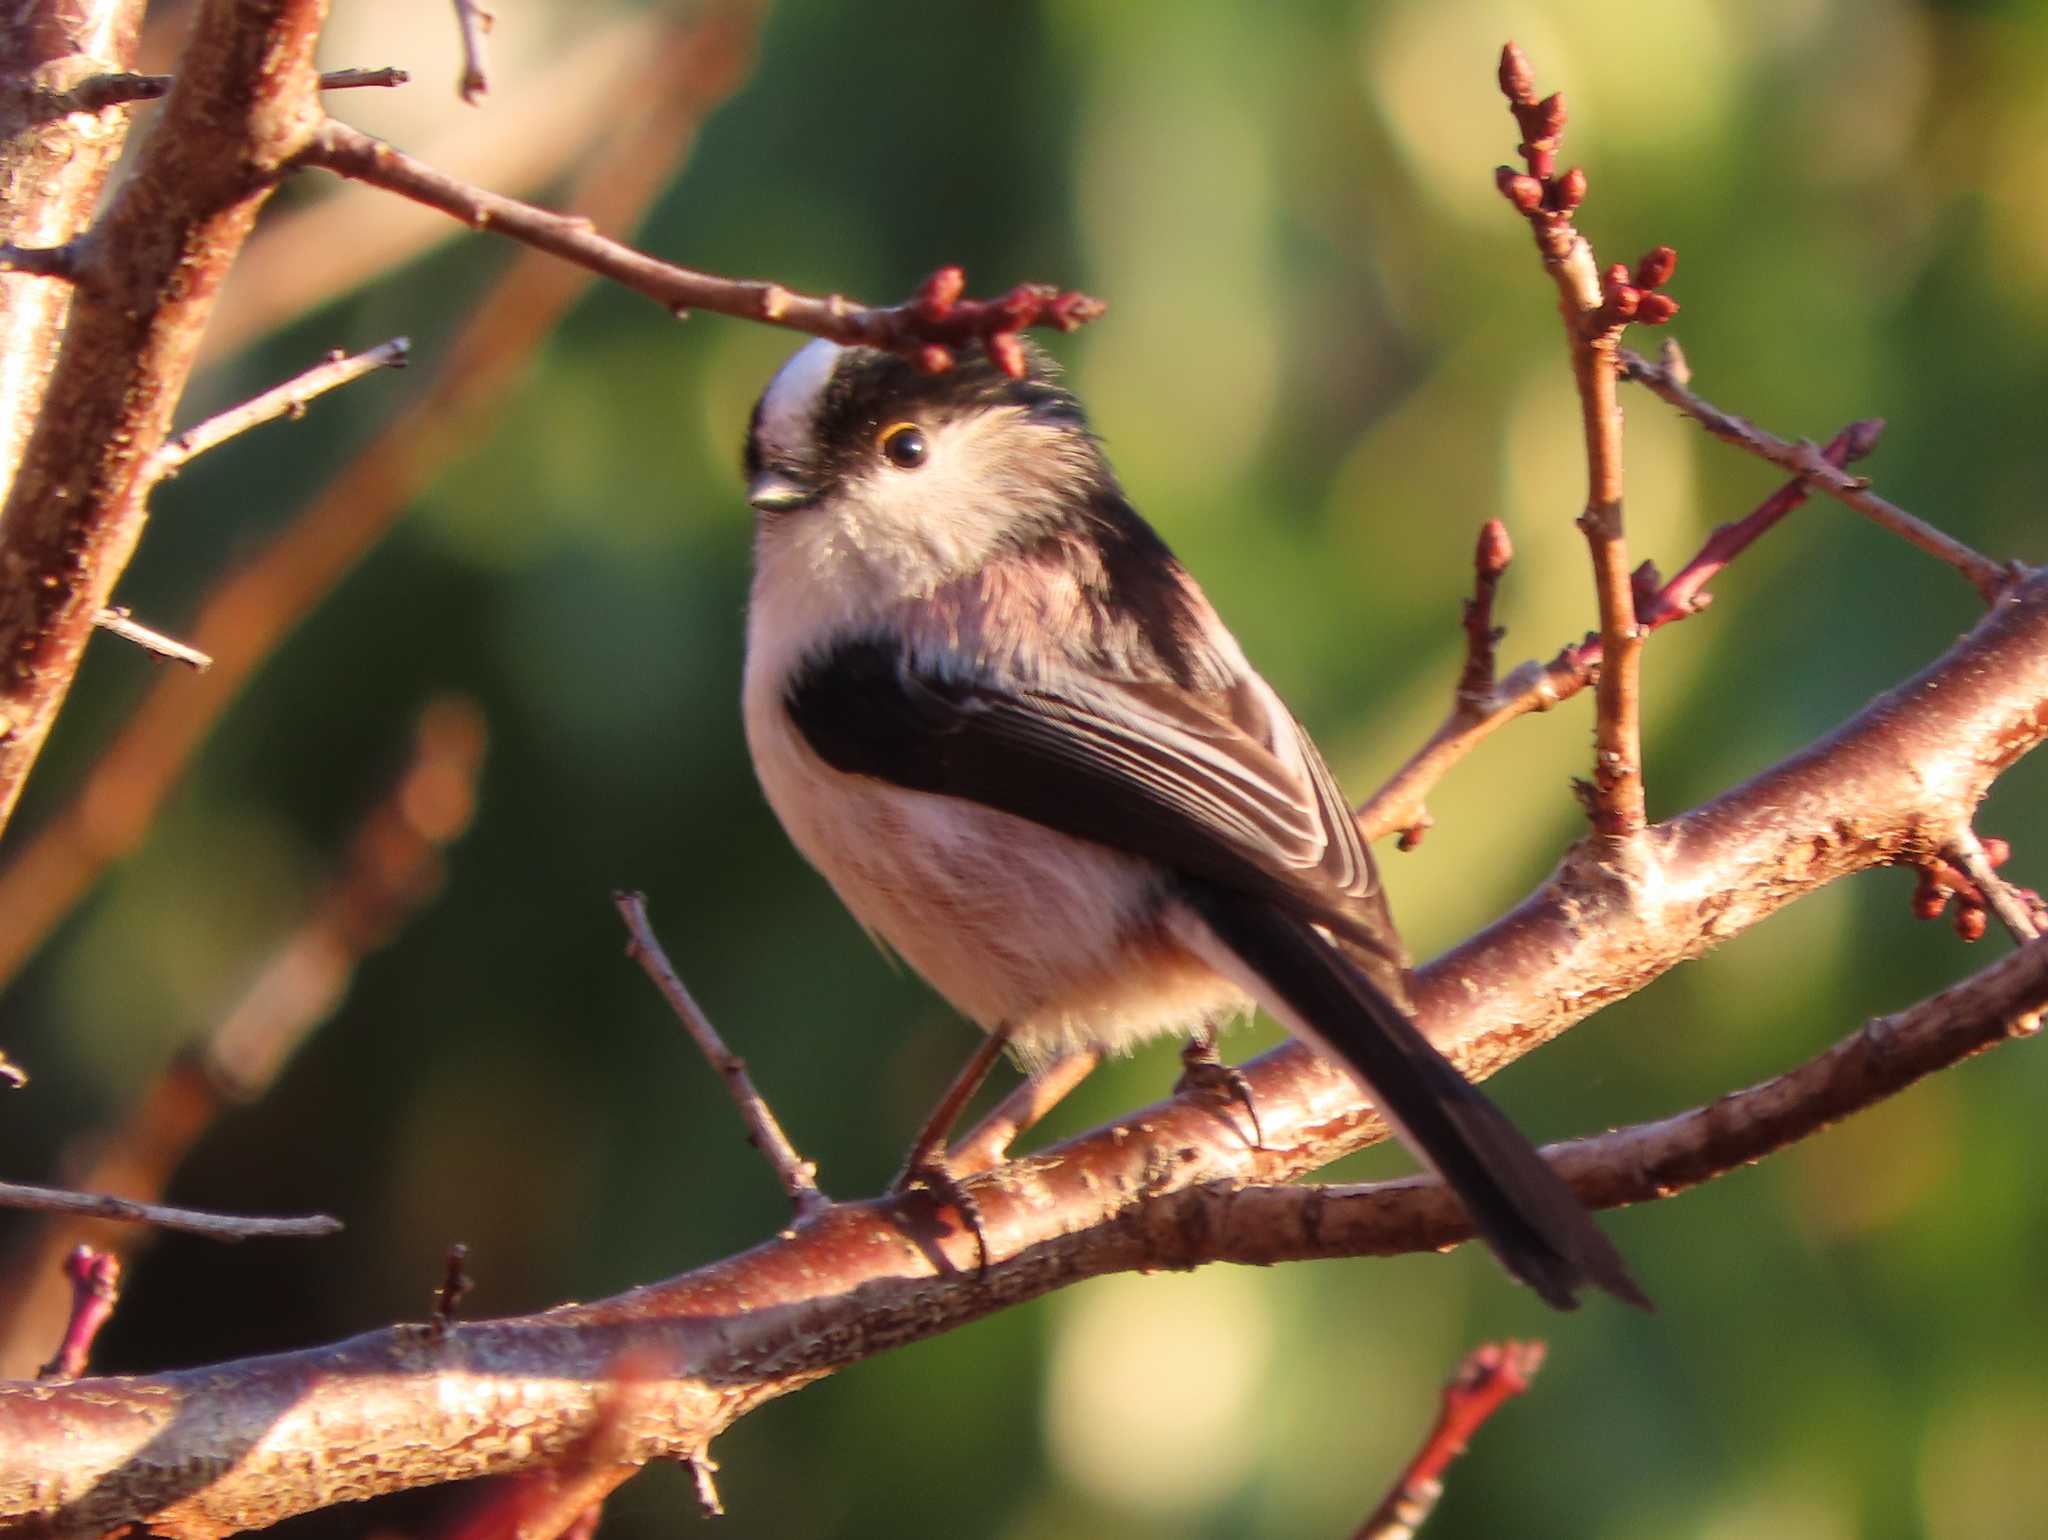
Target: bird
[(1006, 725)]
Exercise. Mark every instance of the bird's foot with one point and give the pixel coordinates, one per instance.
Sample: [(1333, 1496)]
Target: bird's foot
[(1203, 1072)]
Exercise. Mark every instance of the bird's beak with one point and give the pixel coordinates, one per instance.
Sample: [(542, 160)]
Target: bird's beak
[(778, 492)]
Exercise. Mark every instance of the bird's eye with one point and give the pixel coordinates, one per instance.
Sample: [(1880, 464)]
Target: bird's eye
[(903, 444)]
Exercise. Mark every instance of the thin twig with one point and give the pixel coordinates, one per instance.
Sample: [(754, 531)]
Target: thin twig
[(41, 261), (95, 1279), (1998, 895), (220, 1227), (286, 400), (448, 1293), (124, 625), (474, 22), (1597, 307), (799, 1177), (1400, 804), (354, 80), (1490, 1375), (118, 88), (989, 1141), (1988, 577), (926, 327)]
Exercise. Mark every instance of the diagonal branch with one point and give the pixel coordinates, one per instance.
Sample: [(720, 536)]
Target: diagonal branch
[(926, 327), (203, 1451), (799, 1177), (1988, 577), (286, 400)]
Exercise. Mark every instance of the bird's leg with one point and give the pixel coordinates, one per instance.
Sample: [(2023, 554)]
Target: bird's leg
[(988, 1143), (927, 1165), (1203, 1071)]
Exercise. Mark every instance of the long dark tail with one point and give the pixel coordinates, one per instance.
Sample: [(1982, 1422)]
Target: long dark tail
[(1522, 1209)]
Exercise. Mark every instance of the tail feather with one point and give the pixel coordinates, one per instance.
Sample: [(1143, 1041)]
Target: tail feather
[(1531, 1220)]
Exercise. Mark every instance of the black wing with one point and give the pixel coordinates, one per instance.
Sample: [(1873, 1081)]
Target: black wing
[(1221, 785)]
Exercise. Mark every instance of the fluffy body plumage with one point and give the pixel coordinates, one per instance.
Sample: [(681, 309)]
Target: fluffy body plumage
[(1000, 719)]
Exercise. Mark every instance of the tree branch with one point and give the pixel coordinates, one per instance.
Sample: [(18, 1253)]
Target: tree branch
[(1489, 1377), (797, 1176), (219, 1227), (1481, 706), (1988, 577), (244, 105), (926, 327), (286, 400), (196, 1452), (254, 607), (1596, 307)]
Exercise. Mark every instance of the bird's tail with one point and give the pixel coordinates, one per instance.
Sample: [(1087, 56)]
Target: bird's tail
[(1521, 1208)]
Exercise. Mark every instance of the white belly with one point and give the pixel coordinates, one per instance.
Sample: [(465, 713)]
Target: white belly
[(1065, 942)]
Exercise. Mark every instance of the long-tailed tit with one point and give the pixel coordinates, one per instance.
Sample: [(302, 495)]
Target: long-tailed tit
[(992, 709)]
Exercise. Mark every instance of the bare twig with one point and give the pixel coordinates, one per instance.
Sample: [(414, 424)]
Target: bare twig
[(220, 1227), (927, 327), (799, 1177), (42, 261), (1481, 706), (474, 22), (1485, 1381), (448, 1293), (1988, 577), (1999, 896), (989, 1141), (358, 79), (286, 400), (124, 625), (95, 1279), (1597, 307), (117, 88)]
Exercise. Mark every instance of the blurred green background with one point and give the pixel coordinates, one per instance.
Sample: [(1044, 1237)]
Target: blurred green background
[(1330, 356)]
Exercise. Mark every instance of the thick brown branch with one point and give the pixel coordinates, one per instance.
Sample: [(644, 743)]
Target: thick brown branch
[(1988, 577), (925, 328), (1640, 1164), (53, 165), (226, 1447), (254, 607), (242, 108)]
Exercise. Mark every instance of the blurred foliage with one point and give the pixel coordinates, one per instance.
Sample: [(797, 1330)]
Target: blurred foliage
[(1330, 356)]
